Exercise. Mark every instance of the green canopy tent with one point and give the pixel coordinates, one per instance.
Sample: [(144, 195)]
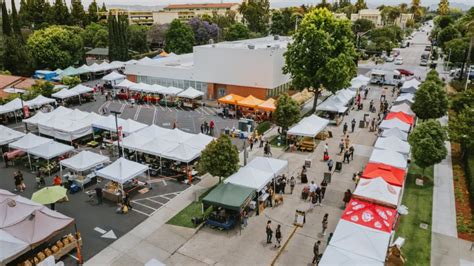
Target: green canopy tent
[(229, 196)]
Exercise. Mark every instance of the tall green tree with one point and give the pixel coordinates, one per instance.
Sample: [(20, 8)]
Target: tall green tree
[(430, 100), (462, 129), (237, 31), (23, 14), (16, 56), (360, 4), (78, 15), (322, 53), (92, 15), (362, 25), (283, 22), (137, 38), (15, 20), (91, 34), (103, 8), (56, 47), (6, 26), (39, 11), (447, 34), (220, 158), (60, 13), (179, 38), (118, 37), (417, 10), (287, 112), (443, 7), (427, 144), (256, 14)]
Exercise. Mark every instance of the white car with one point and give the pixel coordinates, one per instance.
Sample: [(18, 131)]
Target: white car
[(389, 59), (398, 61)]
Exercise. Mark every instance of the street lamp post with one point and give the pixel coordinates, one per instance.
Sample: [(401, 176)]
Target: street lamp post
[(116, 113)]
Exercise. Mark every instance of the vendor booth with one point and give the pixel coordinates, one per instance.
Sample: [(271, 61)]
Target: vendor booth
[(406, 98), (410, 86), (128, 126), (392, 175), (227, 200), (382, 218), (389, 157), (80, 163), (123, 176), (404, 108), (271, 165), (125, 84), (377, 191), (308, 128), (8, 135), (393, 143), (230, 99), (401, 116), (251, 178), (268, 105), (64, 94), (359, 82), (395, 123), (334, 256), (395, 132), (11, 246), (114, 78), (189, 97), (39, 101)]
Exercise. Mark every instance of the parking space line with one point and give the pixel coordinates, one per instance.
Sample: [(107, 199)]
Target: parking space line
[(154, 116), (141, 204), (137, 112), (169, 109), (148, 215), (122, 108), (154, 201), (162, 108)]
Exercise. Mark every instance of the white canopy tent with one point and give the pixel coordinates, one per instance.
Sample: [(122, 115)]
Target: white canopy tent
[(39, 116), (129, 126), (126, 84), (50, 150), (8, 135), (114, 77), (410, 86), (332, 104), (190, 93), (346, 95), (334, 256), (122, 170), (393, 143), (84, 161), (64, 94), (395, 132), (406, 98), (361, 240), (182, 153), (309, 126), (39, 101), (81, 89), (141, 87), (379, 191), (11, 106), (251, 178), (404, 108), (395, 123), (10, 247), (389, 157), (172, 91), (274, 166), (28, 142)]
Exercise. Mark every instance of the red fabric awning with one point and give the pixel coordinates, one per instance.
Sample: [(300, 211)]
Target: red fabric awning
[(370, 215), (402, 116), (390, 174)]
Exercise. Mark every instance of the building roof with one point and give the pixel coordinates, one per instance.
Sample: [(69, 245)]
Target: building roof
[(203, 5), (281, 42), (98, 51), (370, 12), (8, 81)]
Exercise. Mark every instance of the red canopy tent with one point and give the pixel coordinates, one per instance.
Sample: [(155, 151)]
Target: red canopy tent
[(390, 174), (402, 116), (370, 215)]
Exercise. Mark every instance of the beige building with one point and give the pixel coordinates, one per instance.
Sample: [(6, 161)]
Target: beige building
[(402, 20), (134, 17), (185, 12), (373, 15), (340, 15)]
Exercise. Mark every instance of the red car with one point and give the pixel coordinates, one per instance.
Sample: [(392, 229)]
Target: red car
[(405, 72)]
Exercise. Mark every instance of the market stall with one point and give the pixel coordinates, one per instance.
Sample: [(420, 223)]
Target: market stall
[(80, 163), (39, 101), (394, 144), (123, 175), (410, 86), (406, 98), (189, 97), (10, 247), (389, 157), (404, 108), (83, 91), (392, 175), (268, 105), (231, 99), (64, 94), (378, 191), (128, 126), (308, 128), (271, 165), (227, 200), (49, 151), (114, 78), (251, 178), (125, 84), (359, 82), (395, 132), (395, 123), (402, 117), (8, 135), (334, 256)]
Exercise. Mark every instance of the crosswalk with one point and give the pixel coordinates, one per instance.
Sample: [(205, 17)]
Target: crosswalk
[(148, 206)]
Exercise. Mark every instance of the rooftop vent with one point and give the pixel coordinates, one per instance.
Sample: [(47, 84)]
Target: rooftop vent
[(251, 46)]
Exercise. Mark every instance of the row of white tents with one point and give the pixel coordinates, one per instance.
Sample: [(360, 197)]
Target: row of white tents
[(337, 103), (361, 241), (94, 68), (17, 104), (189, 93)]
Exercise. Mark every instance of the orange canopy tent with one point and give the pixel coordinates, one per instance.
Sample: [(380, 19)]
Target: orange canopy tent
[(250, 101), (268, 105), (402, 116), (392, 175), (230, 99), (163, 54)]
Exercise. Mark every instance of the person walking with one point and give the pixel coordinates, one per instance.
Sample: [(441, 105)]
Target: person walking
[(283, 184), (251, 143), (325, 224), (353, 124), (126, 201), (5, 159), (341, 146), (347, 197), (292, 184), (245, 218), (312, 187), (316, 252), (326, 147), (261, 141), (344, 128), (324, 186), (351, 152), (317, 194), (329, 238), (269, 232), (278, 236), (17, 179), (269, 149), (330, 165), (313, 201), (99, 194), (347, 155), (211, 128)]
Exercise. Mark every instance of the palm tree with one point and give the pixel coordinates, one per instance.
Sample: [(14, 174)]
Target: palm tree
[(404, 8)]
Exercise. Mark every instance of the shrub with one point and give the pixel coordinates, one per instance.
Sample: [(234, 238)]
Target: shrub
[(469, 165), (263, 127)]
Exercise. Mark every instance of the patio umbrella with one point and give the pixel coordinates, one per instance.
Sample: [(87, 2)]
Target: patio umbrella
[(49, 195)]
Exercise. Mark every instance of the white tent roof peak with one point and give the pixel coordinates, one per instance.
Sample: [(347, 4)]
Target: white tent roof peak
[(395, 123), (50, 150), (8, 135), (39, 101), (393, 143), (64, 93), (126, 84), (309, 126), (272, 165), (84, 160), (378, 190), (113, 76), (404, 108), (250, 177), (82, 89), (191, 93), (395, 132), (28, 142), (389, 157), (122, 170)]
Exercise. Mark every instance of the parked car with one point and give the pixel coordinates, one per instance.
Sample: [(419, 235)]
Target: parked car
[(399, 61), (424, 62), (428, 48), (389, 59), (405, 72)]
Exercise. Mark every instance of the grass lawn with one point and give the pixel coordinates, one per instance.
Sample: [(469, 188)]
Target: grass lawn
[(183, 218), (419, 200)]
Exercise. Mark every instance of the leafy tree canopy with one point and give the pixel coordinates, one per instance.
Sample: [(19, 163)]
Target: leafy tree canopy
[(137, 38), (220, 158), (287, 111), (256, 14), (362, 25), (237, 31), (179, 38), (427, 143), (430, 100)]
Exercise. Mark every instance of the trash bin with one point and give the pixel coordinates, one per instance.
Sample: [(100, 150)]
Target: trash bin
[(361, 123), (307, 163)]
